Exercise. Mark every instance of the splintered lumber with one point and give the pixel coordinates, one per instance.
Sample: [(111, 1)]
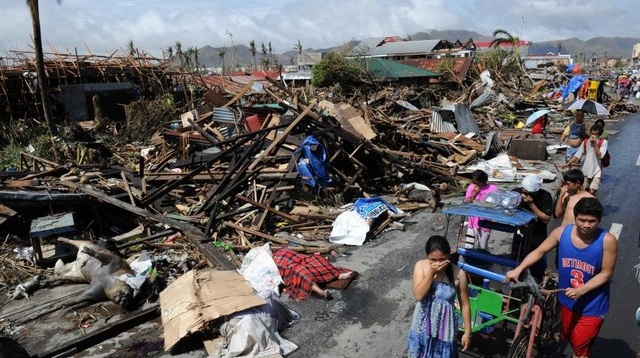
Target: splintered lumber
[(256, 233), (192, 234), (276, 239), (282, 136), (263, 206)]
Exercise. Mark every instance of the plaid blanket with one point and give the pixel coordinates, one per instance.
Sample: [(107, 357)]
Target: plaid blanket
[(301, 271)]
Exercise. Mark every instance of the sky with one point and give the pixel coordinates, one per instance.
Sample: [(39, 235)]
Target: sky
[(104, 26)]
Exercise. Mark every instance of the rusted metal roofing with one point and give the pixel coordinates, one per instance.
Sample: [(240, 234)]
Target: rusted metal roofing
[(487, 44), (234, 84), (461, 65)]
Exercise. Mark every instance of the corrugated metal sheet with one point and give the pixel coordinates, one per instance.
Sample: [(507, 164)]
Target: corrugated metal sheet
[(383, 69), (405, 47), (234, 84), (223, 115), (458, 113), (439, 125), (482, 99), (461, 65), (465, 119), (292, 76)]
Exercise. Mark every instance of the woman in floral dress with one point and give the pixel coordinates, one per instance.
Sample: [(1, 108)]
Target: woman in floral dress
[(433, 331)]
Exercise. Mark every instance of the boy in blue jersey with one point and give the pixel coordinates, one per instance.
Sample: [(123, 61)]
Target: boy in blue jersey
[(587, 257)]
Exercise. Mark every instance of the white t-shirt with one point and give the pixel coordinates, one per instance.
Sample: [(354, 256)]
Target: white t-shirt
[(591, 165)]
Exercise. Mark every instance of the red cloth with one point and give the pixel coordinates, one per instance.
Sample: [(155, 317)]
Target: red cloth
[(538, 126), (301, 271)]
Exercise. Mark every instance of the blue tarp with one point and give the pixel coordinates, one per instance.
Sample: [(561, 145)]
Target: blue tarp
[(371, 208), (574, 84), (313, 164), (515, 217)]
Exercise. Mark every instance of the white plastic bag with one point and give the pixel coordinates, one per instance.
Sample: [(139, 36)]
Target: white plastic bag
[(349, 228), (260, 270)]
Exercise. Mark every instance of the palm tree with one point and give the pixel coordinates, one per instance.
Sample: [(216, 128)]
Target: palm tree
[(42, 77), (233, 51), (221, 52), (264, 59), (252, 49), (131, 49), (505, 38), (195, 56), (169, 52), (559, 47), (298, 47), (187, 59), (270, 53), (179, 53)]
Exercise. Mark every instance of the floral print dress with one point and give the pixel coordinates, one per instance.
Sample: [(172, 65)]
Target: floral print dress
[(433, 327)]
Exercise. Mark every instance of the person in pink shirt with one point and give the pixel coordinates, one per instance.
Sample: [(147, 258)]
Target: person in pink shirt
[(478, 191)]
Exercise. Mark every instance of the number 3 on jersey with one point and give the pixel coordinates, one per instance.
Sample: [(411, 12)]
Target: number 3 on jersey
[(577, 279)]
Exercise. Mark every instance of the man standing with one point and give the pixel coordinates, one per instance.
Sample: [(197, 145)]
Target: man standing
[(593, 150), (570, 192), (539, 202), (587, 257)]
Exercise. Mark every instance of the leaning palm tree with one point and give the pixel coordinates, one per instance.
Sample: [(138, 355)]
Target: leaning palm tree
[(503, 37), (42, 77), (252, 50)]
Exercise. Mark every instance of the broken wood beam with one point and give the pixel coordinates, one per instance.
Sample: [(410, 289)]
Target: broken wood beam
[(282, 136), (99, 335), (256, 233), (191, 233), (265, 207)]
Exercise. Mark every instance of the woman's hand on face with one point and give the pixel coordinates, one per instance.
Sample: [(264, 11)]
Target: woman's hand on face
[(436, 266)]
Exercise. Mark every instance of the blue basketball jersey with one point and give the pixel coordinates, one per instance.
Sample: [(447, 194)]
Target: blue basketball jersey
[(577, 267)]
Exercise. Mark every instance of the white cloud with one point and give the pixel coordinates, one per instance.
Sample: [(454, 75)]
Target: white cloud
[(106, 25)]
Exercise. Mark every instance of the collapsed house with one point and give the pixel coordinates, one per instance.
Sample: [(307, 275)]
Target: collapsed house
[(251, 163)]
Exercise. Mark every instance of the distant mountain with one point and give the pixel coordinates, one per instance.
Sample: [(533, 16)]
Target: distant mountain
[(610, 47)]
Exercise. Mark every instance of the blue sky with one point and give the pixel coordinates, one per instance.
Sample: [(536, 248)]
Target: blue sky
[(104, 26)]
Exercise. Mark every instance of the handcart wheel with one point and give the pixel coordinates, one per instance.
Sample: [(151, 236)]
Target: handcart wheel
[(519, 346)]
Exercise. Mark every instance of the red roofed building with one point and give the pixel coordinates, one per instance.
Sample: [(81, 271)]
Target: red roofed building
[(485, 45)]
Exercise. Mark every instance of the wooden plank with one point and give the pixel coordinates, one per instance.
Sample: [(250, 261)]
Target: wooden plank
[(192, 234), (239, 94), (265, 207), (231, 225), (282, 136)]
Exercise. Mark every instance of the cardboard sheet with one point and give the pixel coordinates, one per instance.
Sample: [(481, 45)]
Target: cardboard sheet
[(199, 297)]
